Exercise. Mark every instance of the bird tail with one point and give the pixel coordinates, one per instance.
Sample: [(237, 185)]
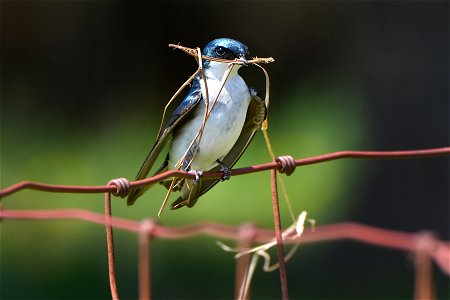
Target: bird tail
[(190, 192), (135, 193)]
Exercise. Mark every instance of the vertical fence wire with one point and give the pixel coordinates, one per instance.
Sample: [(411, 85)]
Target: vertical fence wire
[(245, 240), (110, 247), (278, 234), (145, 231), (423, 287)]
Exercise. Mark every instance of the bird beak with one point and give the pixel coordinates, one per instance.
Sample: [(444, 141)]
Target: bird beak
[(243, 60)]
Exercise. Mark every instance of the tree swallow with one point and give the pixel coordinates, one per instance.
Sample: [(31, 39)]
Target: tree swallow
[(232, 123)]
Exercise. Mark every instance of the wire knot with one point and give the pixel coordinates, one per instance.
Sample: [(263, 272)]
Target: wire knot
[(147, 226), (122, 185), (287, 164), (425, 242)]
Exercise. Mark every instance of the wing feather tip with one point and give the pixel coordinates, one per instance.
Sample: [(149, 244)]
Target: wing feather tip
[(132, 197)]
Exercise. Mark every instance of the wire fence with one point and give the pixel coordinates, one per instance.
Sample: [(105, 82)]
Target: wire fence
[(424, 245)]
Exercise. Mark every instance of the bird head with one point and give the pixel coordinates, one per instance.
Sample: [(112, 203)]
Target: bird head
[(226, 49)]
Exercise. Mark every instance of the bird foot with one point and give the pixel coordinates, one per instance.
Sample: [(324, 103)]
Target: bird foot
[(226, 171), (198, 175)]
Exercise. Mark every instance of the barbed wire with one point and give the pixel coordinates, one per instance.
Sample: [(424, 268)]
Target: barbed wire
[(425, 245)]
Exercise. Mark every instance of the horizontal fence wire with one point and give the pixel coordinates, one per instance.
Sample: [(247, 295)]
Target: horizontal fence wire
[(212, 175), (425, 246), (385, 238)]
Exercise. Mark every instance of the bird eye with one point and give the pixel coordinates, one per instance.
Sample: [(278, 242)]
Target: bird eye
[(220, 51)]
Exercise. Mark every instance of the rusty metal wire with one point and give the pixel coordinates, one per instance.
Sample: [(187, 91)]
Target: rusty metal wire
[(425, 246), (211, 175), (287, 164), (122, 187), (278, 235), (385, 238), (110, 246)]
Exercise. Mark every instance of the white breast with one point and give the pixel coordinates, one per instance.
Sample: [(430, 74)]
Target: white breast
[(224, 124)]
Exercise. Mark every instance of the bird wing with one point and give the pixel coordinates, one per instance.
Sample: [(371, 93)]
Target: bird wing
[(256, 114), (189, 102)]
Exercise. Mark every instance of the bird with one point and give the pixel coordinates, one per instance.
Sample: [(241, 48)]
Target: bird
[(233, 121)]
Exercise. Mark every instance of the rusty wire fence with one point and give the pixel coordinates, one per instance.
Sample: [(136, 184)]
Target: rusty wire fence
[(425, 247)]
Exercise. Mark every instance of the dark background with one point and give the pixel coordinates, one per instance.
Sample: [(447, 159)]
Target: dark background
[(83, 85)]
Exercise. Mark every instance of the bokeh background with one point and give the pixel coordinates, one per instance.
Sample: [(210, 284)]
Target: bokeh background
[(83, 85)]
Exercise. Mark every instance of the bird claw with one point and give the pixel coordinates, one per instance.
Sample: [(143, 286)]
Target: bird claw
[(226, 172), (197, 174)]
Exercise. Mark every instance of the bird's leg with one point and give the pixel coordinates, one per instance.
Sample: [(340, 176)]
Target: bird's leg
[(197, 174), (225, 169)]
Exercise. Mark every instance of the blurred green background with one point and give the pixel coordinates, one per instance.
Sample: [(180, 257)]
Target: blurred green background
[(83, 85)]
